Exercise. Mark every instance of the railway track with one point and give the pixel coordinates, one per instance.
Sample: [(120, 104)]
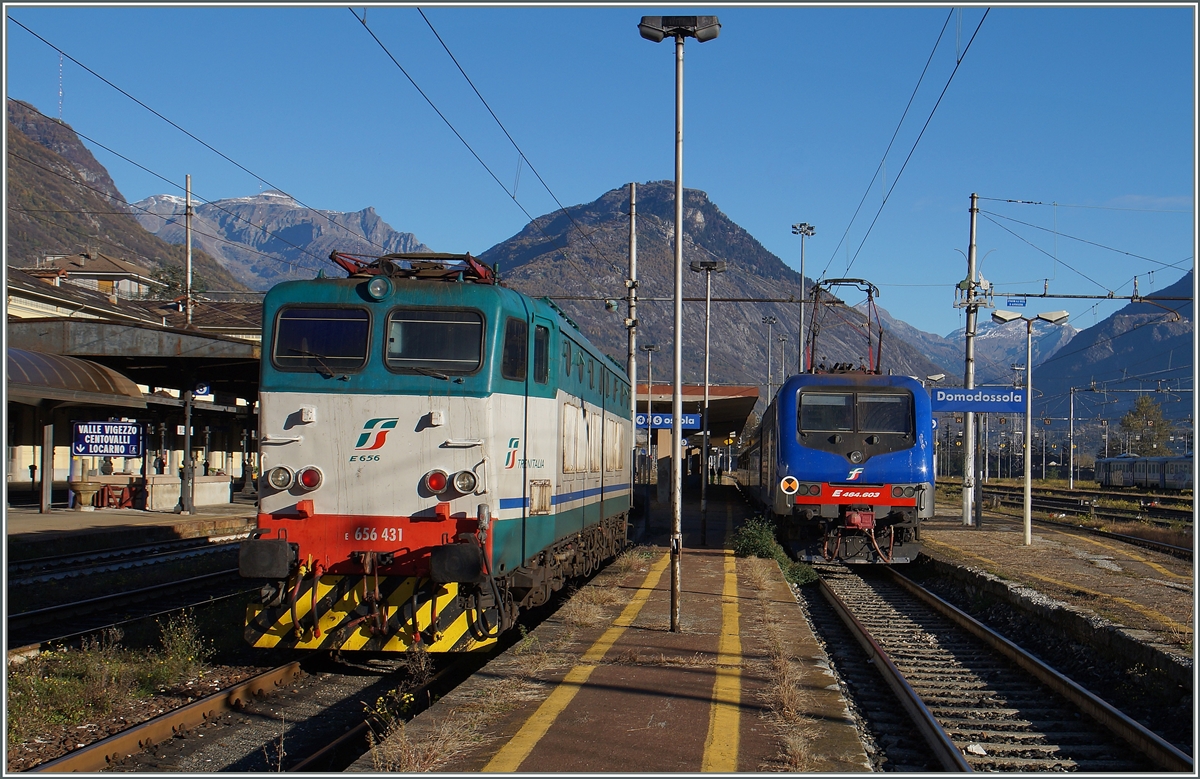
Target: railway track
[(88, 615), (1086, 503), (980, 702), (55, 567)]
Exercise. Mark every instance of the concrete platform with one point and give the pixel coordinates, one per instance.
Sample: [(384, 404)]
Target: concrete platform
[(63, 531), (624, 693)]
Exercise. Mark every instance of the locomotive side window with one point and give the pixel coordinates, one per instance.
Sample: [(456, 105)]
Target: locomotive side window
[(541, 354), (884, 414), (516, 350), (324, 339), (826, 411), (422, 340)]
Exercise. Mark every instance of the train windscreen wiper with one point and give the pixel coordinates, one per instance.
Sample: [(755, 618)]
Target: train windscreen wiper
[(321, 368), (427, 372)]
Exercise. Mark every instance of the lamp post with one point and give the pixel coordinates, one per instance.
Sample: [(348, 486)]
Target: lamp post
[(1053, 317), (708, 268), (769, 321), (804, 230), (655, 28)]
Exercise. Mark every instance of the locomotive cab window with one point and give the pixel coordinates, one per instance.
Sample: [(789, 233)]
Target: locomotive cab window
[(425, 340), (516, 350), (321, 339), (826, 411), (884, 414)]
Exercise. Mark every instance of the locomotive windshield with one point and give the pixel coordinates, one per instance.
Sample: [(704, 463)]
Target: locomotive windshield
[(842, 412), (324, 339), (446, 341)]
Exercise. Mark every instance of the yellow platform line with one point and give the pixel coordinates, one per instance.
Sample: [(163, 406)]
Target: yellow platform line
[(721, 744), (1148, 613), (512, 754)]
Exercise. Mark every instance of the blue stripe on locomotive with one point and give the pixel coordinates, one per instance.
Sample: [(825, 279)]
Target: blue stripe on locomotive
[(794, 459)]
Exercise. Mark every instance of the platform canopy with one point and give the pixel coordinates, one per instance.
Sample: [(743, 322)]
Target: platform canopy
[(36, 378), (728, 406)]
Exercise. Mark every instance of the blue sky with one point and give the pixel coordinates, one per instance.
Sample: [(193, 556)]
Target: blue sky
[(787, 117)]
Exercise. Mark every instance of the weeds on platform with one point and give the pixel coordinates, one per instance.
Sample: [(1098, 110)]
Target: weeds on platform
[(785, 695), (66, 686), (756, 538)]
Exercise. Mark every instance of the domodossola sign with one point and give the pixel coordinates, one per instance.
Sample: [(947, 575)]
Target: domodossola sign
[(981, 401), (688, 421)]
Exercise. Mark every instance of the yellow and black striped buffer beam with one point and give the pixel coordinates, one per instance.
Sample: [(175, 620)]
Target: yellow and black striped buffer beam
[(343, 614)]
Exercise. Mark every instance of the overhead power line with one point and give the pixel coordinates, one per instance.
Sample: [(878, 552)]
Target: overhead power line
[(920, 135), (896, 132), (525, 158), (457, 134), (203, 143), (1100, 208)]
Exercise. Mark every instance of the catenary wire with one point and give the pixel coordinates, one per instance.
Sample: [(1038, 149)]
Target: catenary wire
[(208, 202), (1043, 251), (561, 207), (1100, 208), (896, 132), (920, 135), (457, 134), (191, 135)]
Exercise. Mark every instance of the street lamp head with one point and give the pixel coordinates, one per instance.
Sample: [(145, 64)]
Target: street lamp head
[(936, 377), (1003, 316), (1054, 317), (702, 28), (804, 228), (650, 347), (712, 266), (769, 320)]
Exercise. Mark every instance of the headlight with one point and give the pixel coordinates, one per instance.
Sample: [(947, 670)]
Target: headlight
[(856, 457), (309, 478), (379, 287), (436, 482), (465, 481), (280, 477)]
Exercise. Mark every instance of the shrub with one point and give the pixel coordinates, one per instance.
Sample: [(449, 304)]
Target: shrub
[(756, 538)]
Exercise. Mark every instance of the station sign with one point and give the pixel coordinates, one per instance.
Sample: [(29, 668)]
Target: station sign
[(1015, 302), (687, 421), (107, 439), (979, 401)]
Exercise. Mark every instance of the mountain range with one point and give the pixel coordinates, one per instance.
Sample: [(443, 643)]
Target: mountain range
[(269, 238), (59, 196)]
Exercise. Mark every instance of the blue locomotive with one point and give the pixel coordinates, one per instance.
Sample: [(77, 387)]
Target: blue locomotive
[(437, 452), (843, 461)]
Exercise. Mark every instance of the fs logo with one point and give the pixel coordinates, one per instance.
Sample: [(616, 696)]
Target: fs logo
[(510, 461), (374, 432), (854, 474)]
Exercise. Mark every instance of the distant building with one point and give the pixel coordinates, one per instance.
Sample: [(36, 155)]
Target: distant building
[(100, 272)]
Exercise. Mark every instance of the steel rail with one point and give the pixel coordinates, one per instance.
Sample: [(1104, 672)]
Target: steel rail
[(116, 596), (99, 755), (1150, 744), (939, 741)]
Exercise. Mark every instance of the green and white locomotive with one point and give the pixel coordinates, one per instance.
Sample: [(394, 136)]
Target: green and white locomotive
[(437, 452)]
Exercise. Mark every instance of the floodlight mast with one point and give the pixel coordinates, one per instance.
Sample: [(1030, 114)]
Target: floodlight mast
[(655, 28)]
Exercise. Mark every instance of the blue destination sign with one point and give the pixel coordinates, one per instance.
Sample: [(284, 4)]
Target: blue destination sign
[(109, 439), (980, 401), (1015, 302), (688, 421)]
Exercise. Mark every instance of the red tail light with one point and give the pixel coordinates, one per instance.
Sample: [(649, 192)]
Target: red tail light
[(436, 482), (309, 478)]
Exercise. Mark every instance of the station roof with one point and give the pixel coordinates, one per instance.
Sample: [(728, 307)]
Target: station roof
[(146, 354), (728, 406), (35, 378)]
